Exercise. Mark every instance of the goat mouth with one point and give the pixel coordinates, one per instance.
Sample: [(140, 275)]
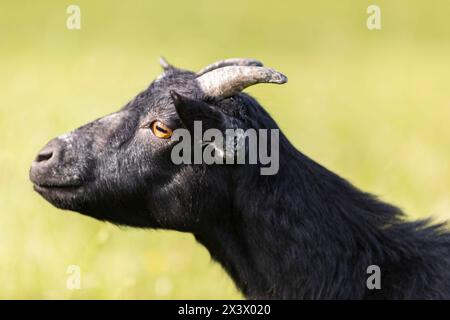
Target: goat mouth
[(44, 188), (63, 196)]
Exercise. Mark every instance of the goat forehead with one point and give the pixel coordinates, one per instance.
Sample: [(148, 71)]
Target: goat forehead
[(113, 119), (175, 79), (103, 128), (158, 100)]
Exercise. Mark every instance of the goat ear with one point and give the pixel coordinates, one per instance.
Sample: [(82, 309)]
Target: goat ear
[(190, 110)]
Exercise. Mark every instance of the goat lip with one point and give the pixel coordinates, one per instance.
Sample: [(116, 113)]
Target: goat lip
[(67, 187)]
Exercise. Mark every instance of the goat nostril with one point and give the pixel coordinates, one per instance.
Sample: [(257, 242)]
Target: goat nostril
[(44, 156)]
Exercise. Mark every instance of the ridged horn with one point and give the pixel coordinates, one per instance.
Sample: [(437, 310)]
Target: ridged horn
[(230, 62), (227, 81)]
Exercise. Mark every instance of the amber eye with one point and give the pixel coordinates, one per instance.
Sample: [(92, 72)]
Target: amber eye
[(160, 130)]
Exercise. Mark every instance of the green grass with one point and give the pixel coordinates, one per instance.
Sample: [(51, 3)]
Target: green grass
[(373, 106)]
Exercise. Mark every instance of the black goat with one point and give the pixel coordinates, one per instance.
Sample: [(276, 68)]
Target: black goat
[(303, 233)]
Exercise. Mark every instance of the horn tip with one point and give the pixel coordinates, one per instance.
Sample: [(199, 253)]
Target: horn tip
[(278, 78), (164, 63)]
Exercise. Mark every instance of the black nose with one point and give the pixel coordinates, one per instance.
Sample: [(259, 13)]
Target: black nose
[(46, 160), (44, 155), (49, 154)]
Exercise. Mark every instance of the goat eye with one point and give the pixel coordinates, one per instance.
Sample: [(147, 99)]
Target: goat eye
[(160, 130)]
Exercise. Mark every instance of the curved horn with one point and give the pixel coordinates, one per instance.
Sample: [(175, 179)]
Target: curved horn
[(227, 81), (230, 62)]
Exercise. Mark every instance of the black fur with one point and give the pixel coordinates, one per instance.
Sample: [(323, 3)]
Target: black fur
[(304, 233)]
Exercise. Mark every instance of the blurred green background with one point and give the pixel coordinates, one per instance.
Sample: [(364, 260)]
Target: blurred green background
[(373, 106)]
